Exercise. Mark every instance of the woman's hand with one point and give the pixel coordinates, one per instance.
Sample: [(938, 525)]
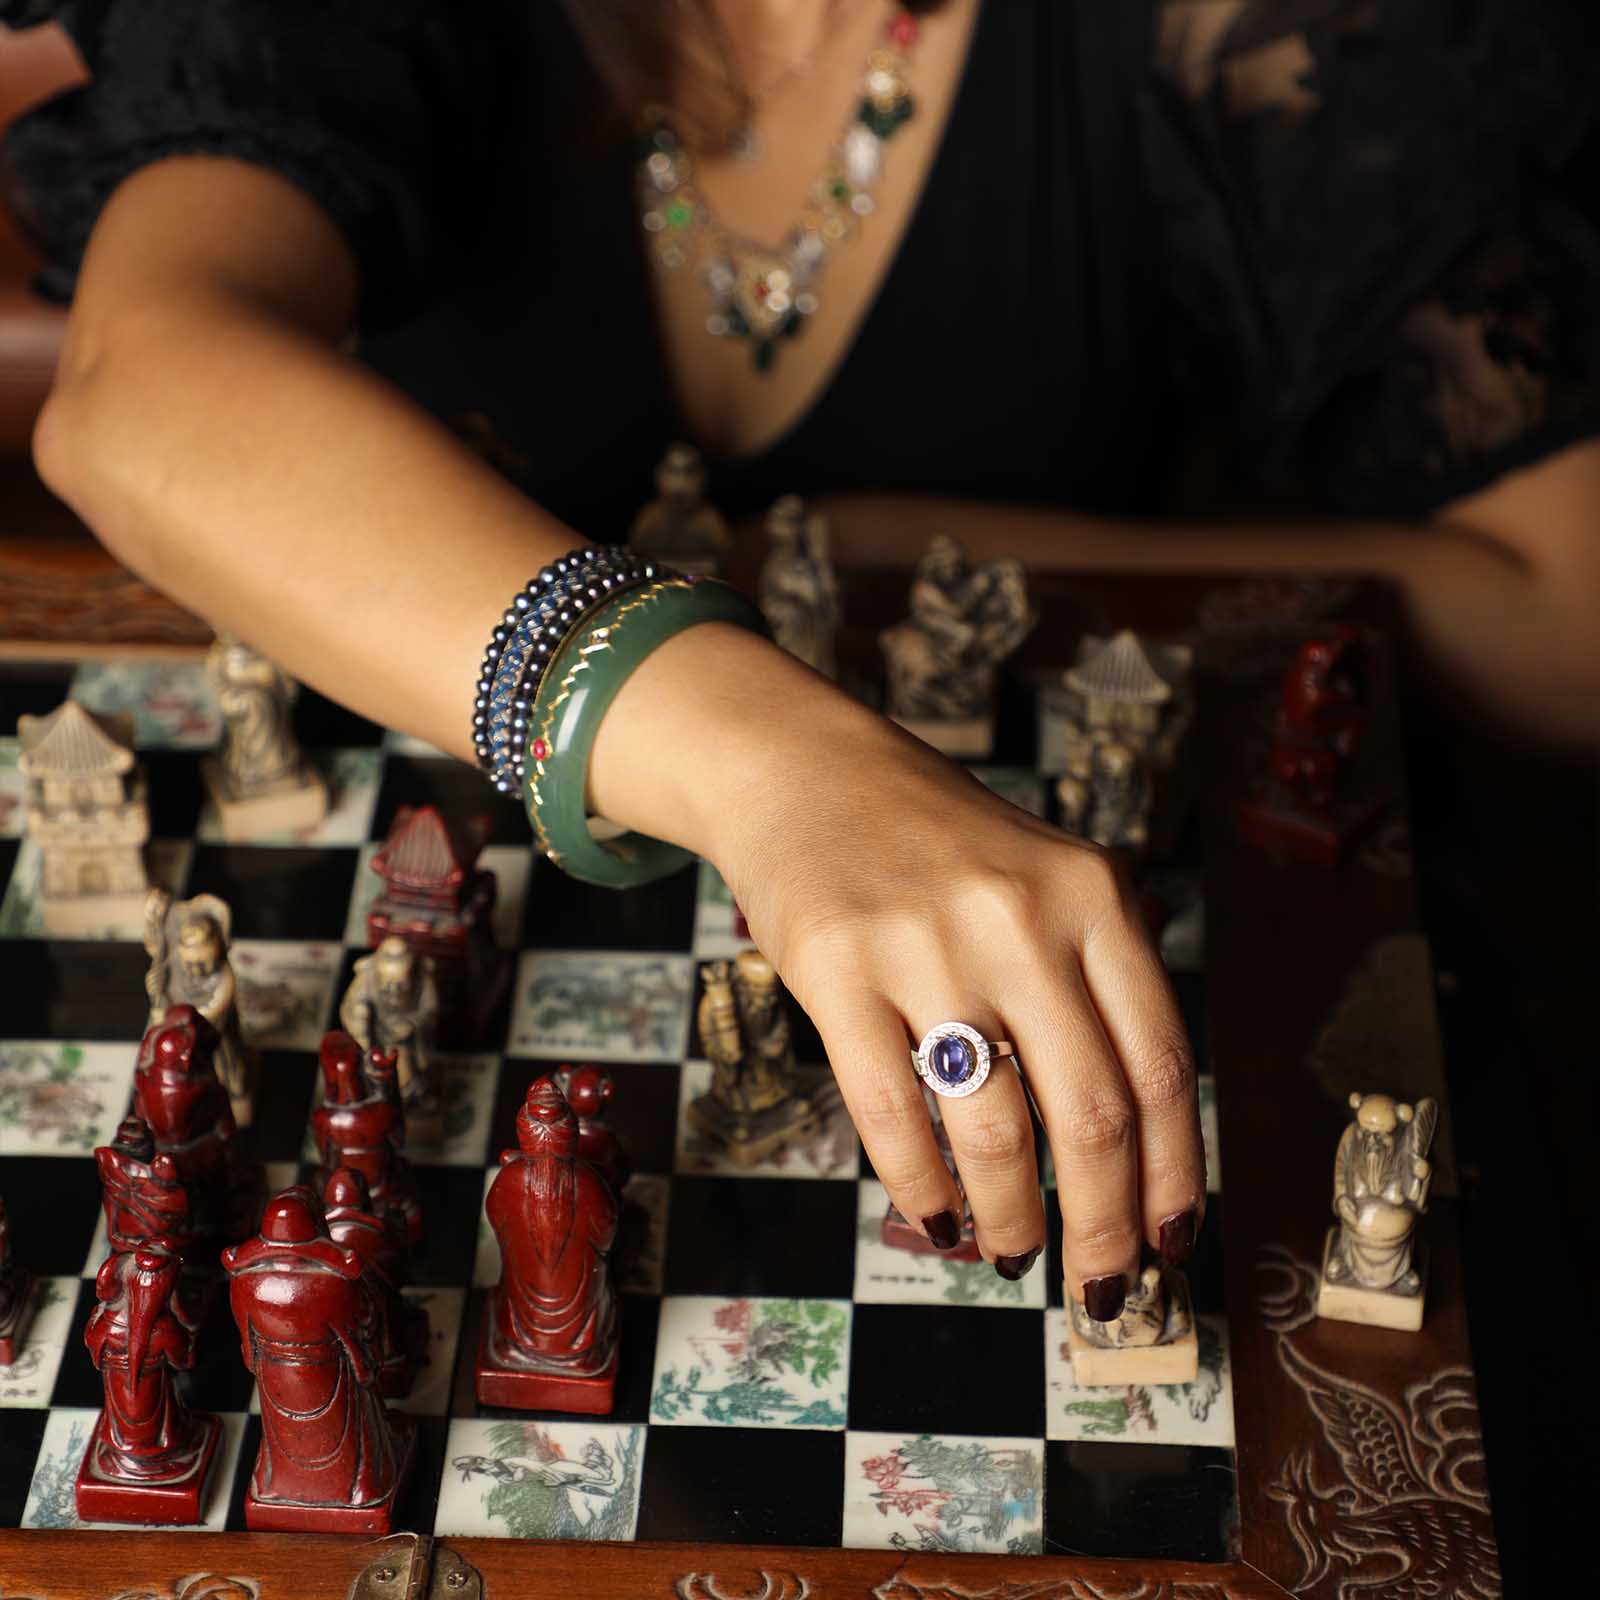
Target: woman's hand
[(893, 892)]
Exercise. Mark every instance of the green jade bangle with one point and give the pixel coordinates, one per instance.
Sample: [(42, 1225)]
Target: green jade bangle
[(573, 698)]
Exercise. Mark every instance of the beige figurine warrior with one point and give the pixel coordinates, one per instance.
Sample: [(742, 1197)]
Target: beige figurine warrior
[(679, 528), (799, 593), (392, 1004), (1381, 1177), (753, 1108), (187, 942)]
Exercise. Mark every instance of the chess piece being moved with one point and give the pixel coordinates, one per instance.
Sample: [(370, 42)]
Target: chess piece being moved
[(753, 1108), (333, 1458), (965, 620), (381, 1243), (16, 1296), (361, 1124), (441, 902), (148, 1456), (259, 781), (1153, 1341), (187, 942), (1381, 1176), (391, 1006), (589, 1091), (799, 593), (87, 814), (680, 528), (550, 1332)]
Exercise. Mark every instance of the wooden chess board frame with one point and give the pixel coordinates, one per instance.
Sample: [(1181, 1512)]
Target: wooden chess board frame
[(1359, 1450)]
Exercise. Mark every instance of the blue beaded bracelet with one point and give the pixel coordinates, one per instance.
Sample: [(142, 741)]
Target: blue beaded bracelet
[(543, 614)]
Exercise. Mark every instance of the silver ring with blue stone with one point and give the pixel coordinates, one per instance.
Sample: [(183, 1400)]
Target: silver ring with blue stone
[(953, 1059)]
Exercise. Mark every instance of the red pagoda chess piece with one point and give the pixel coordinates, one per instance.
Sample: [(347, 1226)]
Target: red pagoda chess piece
[(441, 903), (360, 1124), (1309, 806), (16, 1296), (148, 1456), (382, 1245), (333, 1459), (550, 1331), (589, 1091)]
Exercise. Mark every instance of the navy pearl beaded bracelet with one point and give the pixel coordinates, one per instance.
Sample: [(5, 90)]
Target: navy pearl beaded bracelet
[(545, 611)]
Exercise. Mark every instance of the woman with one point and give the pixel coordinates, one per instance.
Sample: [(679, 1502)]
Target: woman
[(1066, 231)]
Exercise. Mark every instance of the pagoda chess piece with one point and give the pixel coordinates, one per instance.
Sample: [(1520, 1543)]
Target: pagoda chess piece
[(589, 1091), (1381, 1177), (148, 1456), (16, 1296), (385, 1251), (87, 815), (259, 781), (549, 1339), (679, 528), (942, 661), (799, 593), (187, 942), (392, 1005), (753, 1108), (1152, 1341), (333, 1458)]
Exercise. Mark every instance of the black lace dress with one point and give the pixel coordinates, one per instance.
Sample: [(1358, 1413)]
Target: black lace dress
[(1340, 232)]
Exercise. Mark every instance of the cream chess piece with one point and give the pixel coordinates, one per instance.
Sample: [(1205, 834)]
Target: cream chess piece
[(799, 592), (1153, 1341), (680, 528), (392, 1004)]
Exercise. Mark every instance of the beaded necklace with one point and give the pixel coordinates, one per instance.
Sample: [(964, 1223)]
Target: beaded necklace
[(765, 293)]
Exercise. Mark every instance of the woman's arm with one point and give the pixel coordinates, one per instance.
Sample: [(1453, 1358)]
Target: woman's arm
[(1502, 589)]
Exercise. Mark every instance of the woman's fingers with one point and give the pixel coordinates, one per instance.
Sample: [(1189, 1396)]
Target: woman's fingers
[(866, 1044)]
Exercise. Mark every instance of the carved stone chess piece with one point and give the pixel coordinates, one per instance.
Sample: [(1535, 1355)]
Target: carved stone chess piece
[(392, 1005), (259, 781), (143, 1198), (1120, 796), (187, 942), (1381, 1177), (381, 1243), (942, 661), (333, 1459), (753, 1108), (680, 528), (87, 814), (16, 1296), (589, 1091), (1153, 1341), (799, 592), (148, 1456), (550, 1333), (361, 1124)]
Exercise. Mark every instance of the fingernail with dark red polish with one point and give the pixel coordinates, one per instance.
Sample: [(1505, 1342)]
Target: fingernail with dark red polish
[(1177, 1236), (1013, 1267), (942, 1229), (1103, 1297)]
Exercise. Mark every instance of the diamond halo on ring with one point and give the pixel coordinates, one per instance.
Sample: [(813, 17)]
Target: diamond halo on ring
[(954, 1059)]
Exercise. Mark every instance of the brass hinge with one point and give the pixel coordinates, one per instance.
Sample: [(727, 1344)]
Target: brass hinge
[(453, 1578), (411, 1566)]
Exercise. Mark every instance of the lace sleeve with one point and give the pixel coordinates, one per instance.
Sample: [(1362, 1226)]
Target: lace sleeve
[(1372, 265), (373, 107)]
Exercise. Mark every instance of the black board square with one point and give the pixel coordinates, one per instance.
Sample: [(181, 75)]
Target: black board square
[(84, 989), (933, 1369), (460, 792), (295, 892), (283, 1103), (643, 1112), (452, 1202), (323, 724), (220, 1380), (564, 914), (77, 1382), (175, 792), (21, 1434), (54, 1204), (728, 1236), (743, 1486)]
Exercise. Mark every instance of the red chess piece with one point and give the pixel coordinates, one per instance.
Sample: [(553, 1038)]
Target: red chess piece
[(333, 1459), (16, 1297), (148, 1456), (589, 1092), (549, 1338)]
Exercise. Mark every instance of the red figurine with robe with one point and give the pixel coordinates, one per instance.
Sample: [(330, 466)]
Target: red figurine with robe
[(549, 1338), (333, 1459), (149, 1456)]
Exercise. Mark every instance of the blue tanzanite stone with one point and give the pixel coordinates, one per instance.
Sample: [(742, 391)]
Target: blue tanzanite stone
[(953, 1061)]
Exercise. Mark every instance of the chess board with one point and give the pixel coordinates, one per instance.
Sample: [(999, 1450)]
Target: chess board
[(786, 1380)]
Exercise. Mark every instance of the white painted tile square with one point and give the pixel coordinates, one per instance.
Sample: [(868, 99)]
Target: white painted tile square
[(716, 933), (352, 776), (55, 1470), (13, 790), (947, 1493), (834, 1153), (1178, 1413), (365, 886), (171, 702), (751, 1363), (61, 1098), (521, 1479), (31, 1378), (892, 1277), (286, 986), (602, 1005), (512, 866)]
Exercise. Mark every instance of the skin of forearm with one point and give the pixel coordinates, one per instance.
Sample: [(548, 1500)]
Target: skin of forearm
[(1516, 634)]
